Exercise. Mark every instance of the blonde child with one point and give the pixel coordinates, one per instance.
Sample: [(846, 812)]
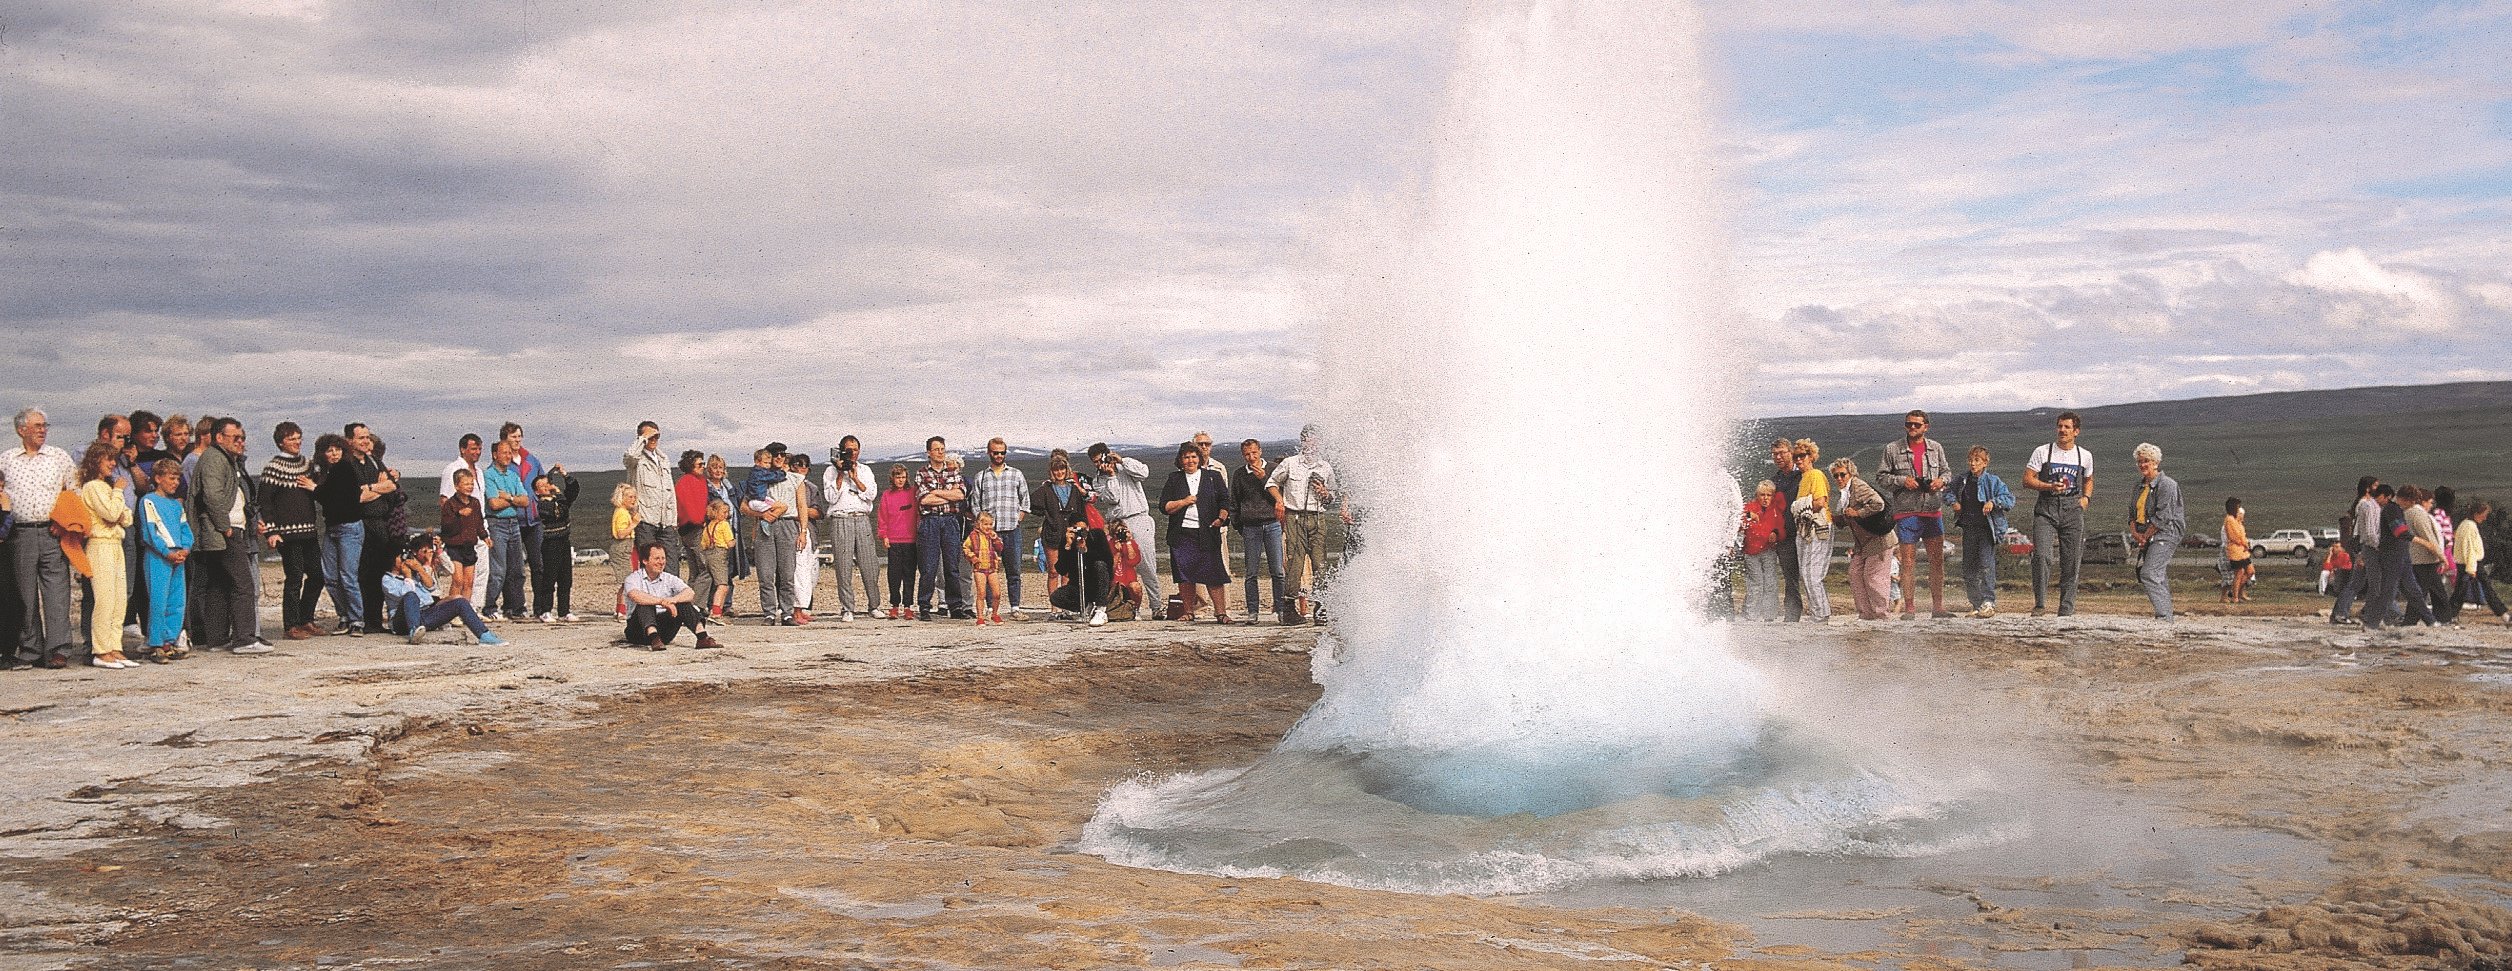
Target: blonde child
[(100, 488), (984, 548), (715, 556), (623, 540)]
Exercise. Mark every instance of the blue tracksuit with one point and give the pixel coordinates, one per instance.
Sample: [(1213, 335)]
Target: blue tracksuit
[(166, 530)]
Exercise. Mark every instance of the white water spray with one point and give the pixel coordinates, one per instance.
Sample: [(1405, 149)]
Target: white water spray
[(1528, 391), (1533, 409)]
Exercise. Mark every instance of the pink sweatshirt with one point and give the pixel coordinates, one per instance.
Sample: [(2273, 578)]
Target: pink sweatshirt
[(898, 515)]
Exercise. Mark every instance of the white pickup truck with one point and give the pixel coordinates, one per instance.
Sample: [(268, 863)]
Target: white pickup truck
[(2296, 543)]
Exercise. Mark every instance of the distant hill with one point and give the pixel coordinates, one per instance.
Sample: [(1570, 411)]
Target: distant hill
[(2292, 457)]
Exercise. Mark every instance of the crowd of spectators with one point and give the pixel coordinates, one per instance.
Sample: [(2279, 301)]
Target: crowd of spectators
[(146, 544), (2397, 551)]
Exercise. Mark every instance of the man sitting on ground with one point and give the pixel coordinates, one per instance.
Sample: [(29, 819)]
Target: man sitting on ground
[(660, 605)]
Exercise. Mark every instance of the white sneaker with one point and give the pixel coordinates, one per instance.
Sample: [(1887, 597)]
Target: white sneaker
[(254, 648), (1098, 616), (569, 617), (846, 616), (549, 618)]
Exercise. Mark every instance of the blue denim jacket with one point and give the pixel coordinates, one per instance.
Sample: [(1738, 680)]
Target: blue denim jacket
[(1994, 499)]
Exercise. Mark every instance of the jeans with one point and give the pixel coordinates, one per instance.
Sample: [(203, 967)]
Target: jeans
[(301, 586), (439, 614), (1814, 562), (854, 551), (553, 572), (1263, 539), (2154, 571), (1980, 567), (2058, 538), (505, 566), (2351, 586), (773, 559), (1761, 584), (2374, 587), (938, 541), (43, 587), (343, 544), (1011, 564)]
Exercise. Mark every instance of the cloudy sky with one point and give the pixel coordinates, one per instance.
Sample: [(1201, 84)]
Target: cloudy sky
[(1095, 220)]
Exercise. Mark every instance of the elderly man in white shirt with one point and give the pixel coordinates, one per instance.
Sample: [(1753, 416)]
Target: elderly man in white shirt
[(1119, 493), (35, 474)]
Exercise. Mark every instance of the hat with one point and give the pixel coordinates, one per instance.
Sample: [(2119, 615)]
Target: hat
[(776, 448)]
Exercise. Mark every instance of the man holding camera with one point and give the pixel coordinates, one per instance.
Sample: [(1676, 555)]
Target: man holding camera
[(853, 540)]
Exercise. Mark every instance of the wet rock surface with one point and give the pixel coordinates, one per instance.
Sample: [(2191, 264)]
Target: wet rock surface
[(904, 795)]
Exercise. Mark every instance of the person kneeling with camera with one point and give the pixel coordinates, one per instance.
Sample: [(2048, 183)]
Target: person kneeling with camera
[(660, 605)]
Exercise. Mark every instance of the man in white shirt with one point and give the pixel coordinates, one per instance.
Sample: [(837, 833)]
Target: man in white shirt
[(854, 542), (660, 605), (1308, 489), (1119, 494), (2062, 471), (34, 475), (468, 457)]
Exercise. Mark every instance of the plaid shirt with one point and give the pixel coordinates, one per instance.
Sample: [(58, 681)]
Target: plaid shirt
[(930, 480), (1005, 494)]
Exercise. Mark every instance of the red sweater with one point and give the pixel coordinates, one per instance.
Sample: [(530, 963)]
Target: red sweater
[(691, 490), (1763, 522)]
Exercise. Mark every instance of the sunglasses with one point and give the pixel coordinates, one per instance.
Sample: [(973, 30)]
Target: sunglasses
[(993, 452), (1914, 424)]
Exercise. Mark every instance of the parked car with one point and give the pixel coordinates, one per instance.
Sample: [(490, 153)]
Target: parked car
[(587, 555), (2107, 548), (2018, 544), (2326, 538), (2296, 543), (2197, 541)]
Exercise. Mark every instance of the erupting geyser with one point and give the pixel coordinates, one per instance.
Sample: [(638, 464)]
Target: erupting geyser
[(1531, 403)]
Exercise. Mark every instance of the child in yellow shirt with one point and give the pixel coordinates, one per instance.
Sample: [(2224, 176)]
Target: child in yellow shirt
[(985, 566), (623, 540), (715, 554)]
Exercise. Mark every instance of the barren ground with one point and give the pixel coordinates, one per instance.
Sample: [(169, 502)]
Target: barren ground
[(904, 795)]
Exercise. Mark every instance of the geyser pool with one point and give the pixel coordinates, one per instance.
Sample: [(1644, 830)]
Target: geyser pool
[(1527, 387)]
